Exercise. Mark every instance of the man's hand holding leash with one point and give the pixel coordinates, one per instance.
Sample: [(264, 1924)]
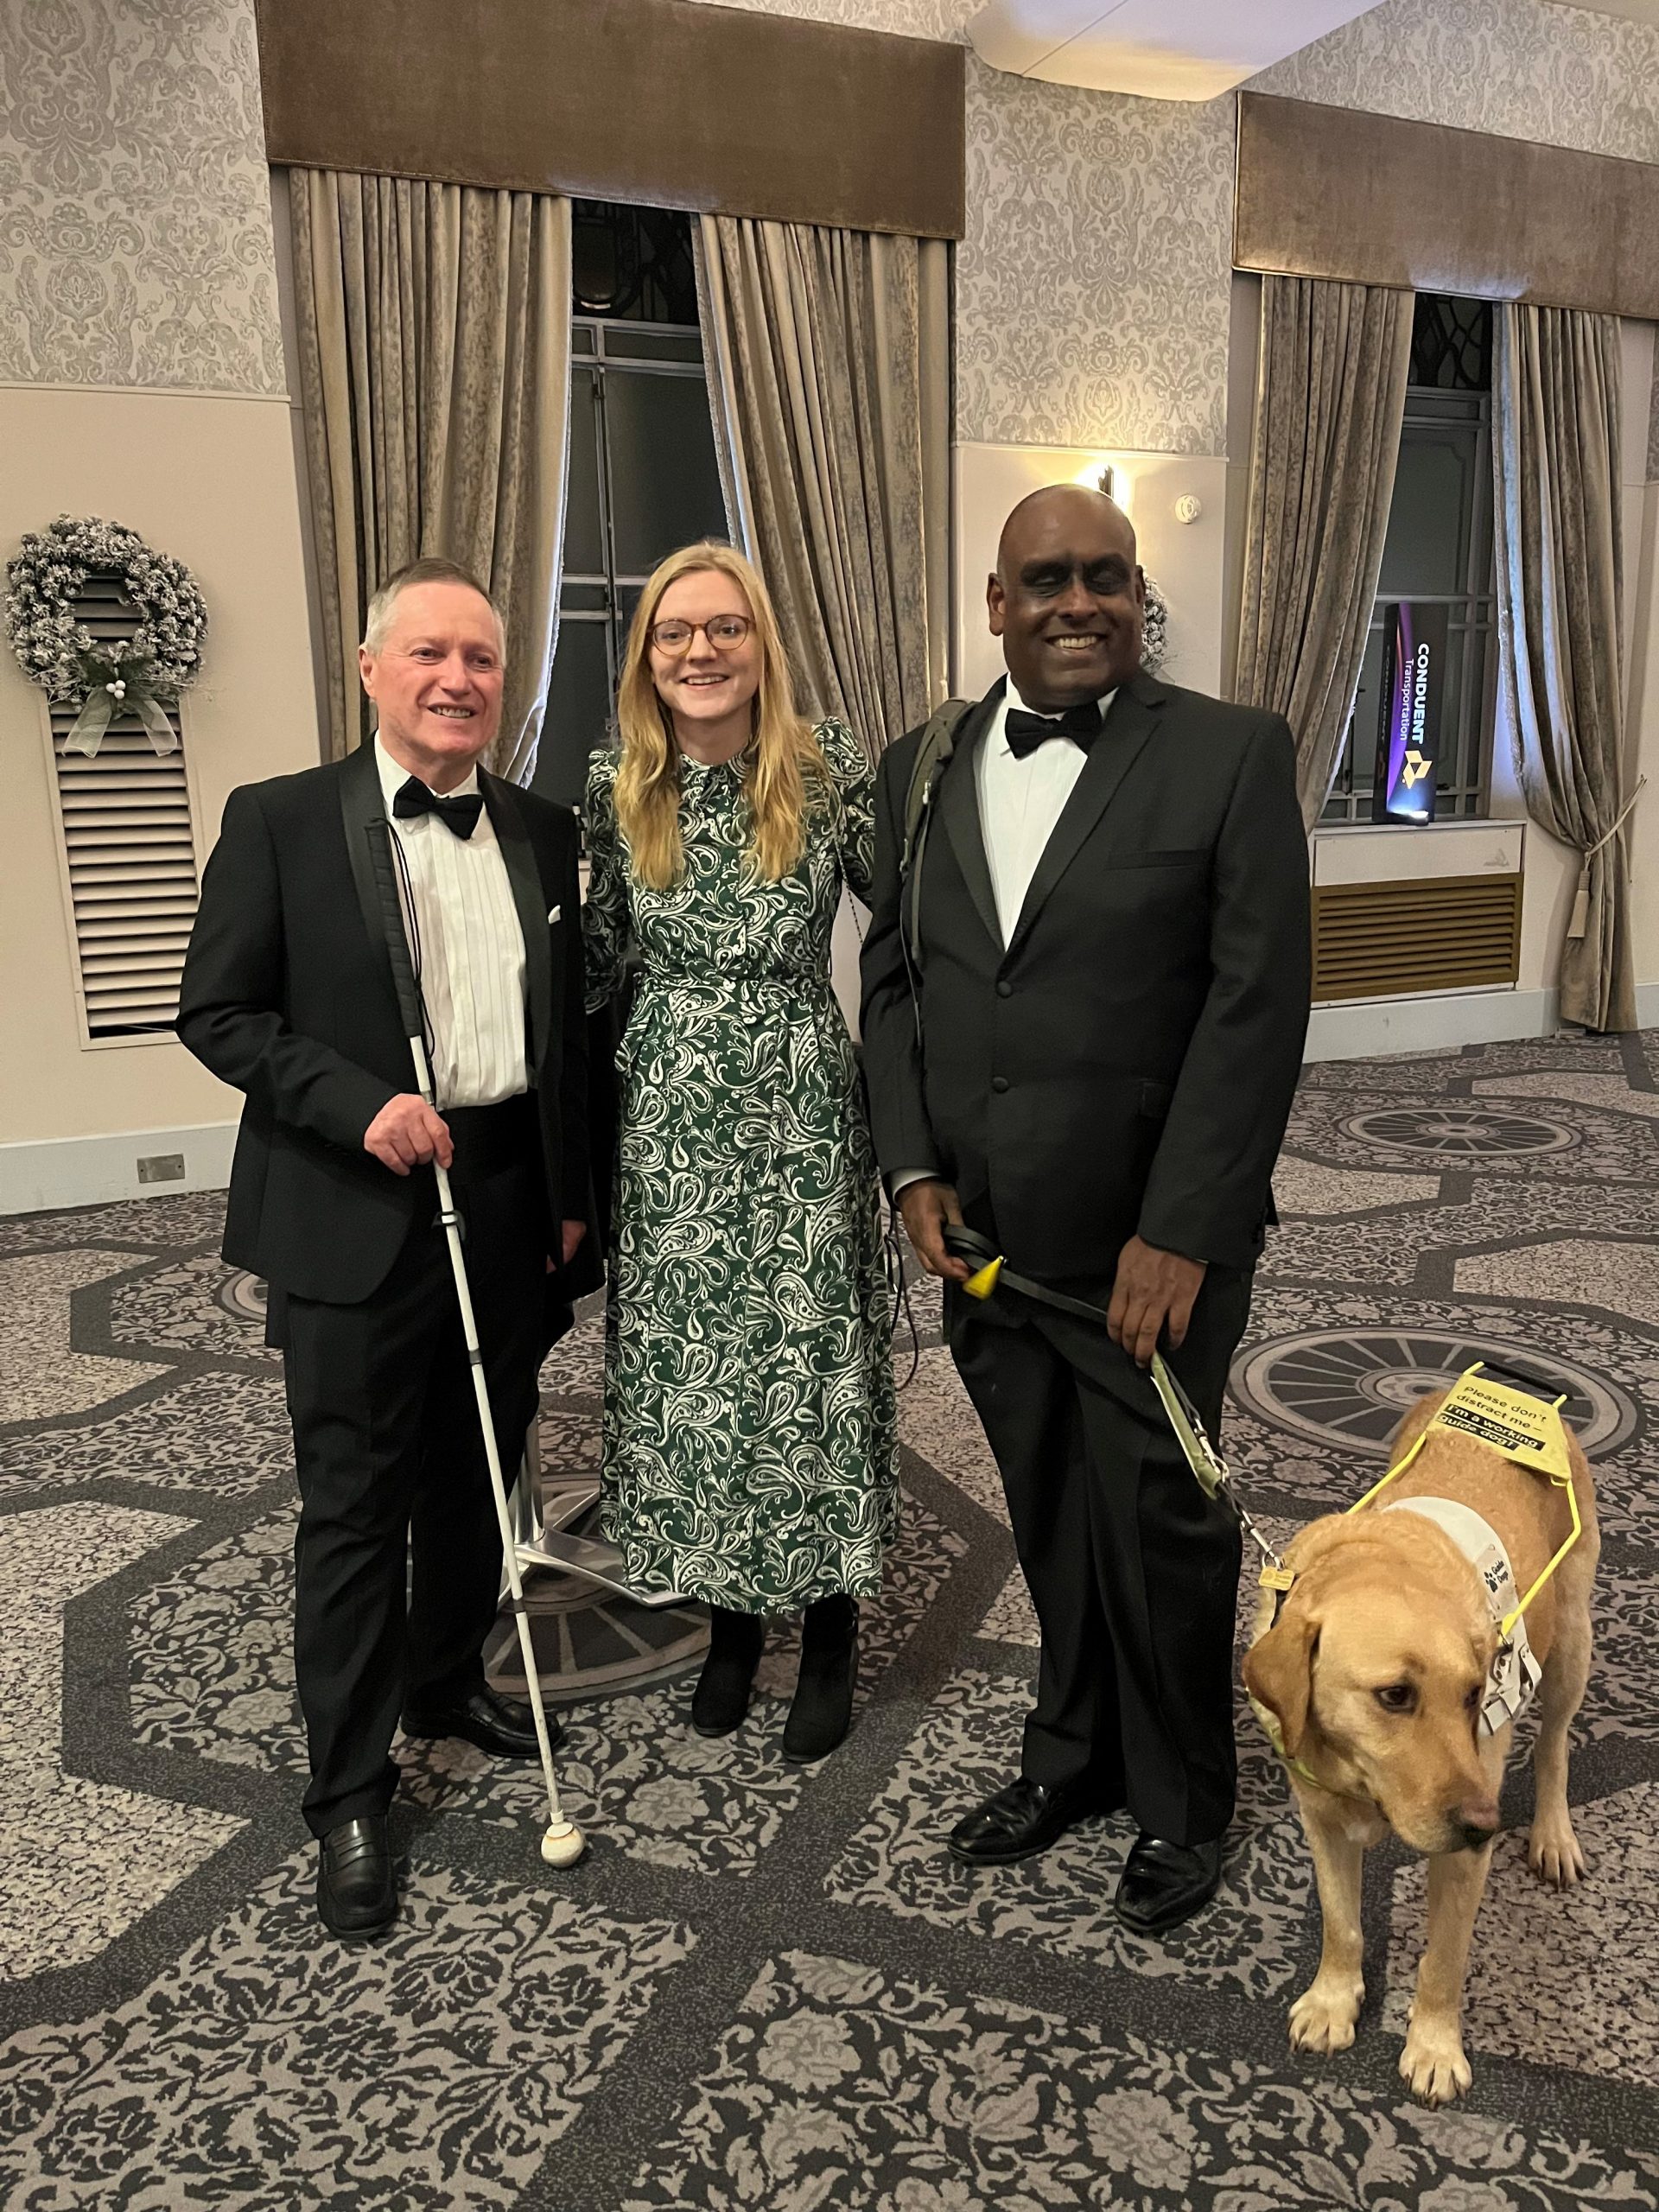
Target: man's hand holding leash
[(1153, 1296), (925, 1207)]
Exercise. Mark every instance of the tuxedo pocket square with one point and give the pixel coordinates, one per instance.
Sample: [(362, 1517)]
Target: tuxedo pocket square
[(554, 912)]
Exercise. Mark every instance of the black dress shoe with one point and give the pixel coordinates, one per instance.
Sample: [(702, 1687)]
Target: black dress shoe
[(1163, 1884), (722, 1698), (494, 1724), (356, 1895), (1021, 1821), (822, 1710)]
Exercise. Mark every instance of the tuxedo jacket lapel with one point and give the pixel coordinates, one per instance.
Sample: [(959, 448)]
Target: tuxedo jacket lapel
[(362, 809), (1130, 721), (958, 805), (531, 899)]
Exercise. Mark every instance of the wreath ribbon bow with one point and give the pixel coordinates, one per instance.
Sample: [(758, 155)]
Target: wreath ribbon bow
[(120, 694)]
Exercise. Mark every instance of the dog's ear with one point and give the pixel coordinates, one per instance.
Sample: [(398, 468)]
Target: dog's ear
[(1278, 1673)]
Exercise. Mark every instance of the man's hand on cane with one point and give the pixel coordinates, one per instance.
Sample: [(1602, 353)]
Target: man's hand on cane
[(1153, 1291), (407, 1133), (925, 1207)]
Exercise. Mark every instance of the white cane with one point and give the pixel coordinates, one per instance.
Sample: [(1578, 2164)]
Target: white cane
[(563, 1843)]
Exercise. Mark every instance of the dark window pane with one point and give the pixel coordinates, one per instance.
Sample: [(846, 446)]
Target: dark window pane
[(1452, 343), (577, 720), (630, 261), (630, 345), (585, 599), (1427, 550), (584, 536), (581, 338), (665, 482)]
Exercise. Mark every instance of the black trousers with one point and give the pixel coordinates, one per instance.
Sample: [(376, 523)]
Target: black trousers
[(398, 1557), (1133, 1570)]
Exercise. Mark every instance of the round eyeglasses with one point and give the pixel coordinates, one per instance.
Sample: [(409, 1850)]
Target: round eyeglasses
[(725, 633)]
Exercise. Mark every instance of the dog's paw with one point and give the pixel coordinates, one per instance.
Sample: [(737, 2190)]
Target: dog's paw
[(1553, 1852), (1432, 2065), (1323, 2017)]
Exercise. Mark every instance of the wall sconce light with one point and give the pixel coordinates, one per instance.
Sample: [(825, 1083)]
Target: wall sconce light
[(1108, 476)]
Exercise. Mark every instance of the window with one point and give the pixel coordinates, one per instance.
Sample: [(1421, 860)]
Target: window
[(1438, 554), (643, 476), (129, 855)]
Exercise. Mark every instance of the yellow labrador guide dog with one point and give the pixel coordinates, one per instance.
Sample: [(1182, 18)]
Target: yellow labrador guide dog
[(1389, 1663)]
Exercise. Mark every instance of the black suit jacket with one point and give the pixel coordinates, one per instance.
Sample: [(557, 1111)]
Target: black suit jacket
[(288, 996), (1126, 1063)]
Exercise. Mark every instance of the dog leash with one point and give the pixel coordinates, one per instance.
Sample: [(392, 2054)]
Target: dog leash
[(1519, 1425), (992, 1271)]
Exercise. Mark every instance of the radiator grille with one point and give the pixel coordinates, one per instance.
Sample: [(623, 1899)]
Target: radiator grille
[(1388, 940), (132, 855)]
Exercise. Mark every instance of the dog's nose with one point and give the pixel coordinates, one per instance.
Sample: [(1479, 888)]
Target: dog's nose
[(1476, 1823)]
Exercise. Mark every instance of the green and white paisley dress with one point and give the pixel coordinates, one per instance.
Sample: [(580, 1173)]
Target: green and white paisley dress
[(750, 1452)]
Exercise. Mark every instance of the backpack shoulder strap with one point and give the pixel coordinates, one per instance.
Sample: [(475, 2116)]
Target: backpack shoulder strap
[(938, 743)]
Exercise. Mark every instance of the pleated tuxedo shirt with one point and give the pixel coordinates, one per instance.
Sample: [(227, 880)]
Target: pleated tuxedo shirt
[(472, 949)]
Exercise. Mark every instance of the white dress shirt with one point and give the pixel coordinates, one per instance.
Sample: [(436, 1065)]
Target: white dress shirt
[(1020, 801), (472, 949)]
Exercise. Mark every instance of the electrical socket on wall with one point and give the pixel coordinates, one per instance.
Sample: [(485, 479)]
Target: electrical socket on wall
[(161, 1167)]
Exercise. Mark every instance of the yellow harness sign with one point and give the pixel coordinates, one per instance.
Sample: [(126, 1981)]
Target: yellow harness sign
[(1523, 1428)]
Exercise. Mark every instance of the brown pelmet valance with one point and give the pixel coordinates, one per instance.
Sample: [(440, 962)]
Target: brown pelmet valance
[(670, 102), (1331, 192)]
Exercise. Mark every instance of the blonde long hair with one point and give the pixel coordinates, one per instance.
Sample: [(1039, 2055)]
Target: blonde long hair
[(781, 760)]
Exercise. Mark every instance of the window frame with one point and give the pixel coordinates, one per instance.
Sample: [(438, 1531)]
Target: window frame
[(609, 350), (1472, 612)]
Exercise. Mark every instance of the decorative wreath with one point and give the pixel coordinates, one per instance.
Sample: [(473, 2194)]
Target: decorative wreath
[(1155, 644), (143, 674)]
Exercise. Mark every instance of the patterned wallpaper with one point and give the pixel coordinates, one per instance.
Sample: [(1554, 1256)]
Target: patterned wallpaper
[(135, 216), (1092, 286), (1519, 68)]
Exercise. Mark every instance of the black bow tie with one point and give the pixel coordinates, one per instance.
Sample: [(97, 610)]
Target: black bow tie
[(460, 815), (1024, 733)]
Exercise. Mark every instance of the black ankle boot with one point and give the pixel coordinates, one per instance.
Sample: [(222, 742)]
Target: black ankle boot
[(721, 1697), (823, 1709)]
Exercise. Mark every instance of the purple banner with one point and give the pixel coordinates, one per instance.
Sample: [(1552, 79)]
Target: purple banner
[(1408, 720)]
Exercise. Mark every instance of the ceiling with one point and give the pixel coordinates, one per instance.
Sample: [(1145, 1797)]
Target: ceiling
[(1636, 11), (1161, 49)]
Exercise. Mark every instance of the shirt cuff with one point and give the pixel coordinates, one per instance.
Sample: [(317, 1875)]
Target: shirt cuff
[(901, 1178)]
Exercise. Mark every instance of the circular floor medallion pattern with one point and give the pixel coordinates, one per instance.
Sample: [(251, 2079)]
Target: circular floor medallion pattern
[(586, 1643), (243, 1295), (1453, 1133), (588, 1640), (1349, 1387)]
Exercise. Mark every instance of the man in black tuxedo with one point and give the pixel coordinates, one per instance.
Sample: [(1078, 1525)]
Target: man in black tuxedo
[(1083, 1042), (287, 995)]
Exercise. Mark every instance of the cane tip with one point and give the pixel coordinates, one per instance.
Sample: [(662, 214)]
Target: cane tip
[(563, 1845)]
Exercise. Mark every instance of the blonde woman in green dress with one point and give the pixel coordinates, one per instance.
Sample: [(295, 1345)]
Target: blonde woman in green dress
[(750, 1458)]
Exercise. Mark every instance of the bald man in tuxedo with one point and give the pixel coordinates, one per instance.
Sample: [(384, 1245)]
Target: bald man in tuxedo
[(1088, 1054)]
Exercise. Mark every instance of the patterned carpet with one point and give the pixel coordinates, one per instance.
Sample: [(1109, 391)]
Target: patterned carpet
[(770, 1988)]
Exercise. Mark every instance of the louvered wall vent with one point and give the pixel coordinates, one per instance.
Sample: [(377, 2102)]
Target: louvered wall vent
[(132, 855), (1389, 940)]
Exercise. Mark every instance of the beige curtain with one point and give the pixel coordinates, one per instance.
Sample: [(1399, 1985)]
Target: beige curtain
[(433, 324), (828, 377), (1555, 470), (1331, 399)]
